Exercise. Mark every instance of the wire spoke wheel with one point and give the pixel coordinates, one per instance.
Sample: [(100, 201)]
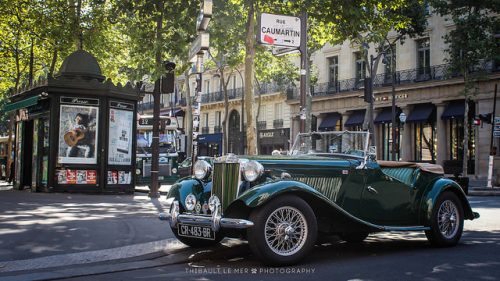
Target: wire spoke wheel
[(286, 231), (448, 218)]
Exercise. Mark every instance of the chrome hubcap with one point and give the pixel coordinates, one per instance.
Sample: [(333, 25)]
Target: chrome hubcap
[(448, 219), (286, 231)]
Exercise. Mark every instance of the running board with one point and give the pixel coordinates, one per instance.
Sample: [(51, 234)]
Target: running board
[(405, 228)]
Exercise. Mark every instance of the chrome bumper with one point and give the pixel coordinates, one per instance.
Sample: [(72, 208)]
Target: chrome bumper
[(215, 221)]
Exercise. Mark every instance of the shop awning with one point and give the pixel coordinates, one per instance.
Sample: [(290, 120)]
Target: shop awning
[(21, 104), (422, 113), (386, 115), (330, 122), (356, 118), (454, 109), (208, 138)]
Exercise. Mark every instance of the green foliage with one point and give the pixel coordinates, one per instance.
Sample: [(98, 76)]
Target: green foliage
[(468, 45)]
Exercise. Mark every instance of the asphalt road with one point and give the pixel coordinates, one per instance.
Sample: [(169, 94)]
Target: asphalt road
[(384, 256), (34, 225)]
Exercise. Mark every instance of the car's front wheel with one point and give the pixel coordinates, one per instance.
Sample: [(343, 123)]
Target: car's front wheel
[(284, 230), (447, 221)]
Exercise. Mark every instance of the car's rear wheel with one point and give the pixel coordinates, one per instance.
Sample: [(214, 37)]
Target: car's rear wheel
[(196, 242), (284, 230), (447, 221)]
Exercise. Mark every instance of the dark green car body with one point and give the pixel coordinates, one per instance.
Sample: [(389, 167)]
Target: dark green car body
[(293, 199), (336, 190)]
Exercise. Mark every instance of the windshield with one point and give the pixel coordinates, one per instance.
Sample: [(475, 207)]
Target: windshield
[(353, 144), (145, 142)]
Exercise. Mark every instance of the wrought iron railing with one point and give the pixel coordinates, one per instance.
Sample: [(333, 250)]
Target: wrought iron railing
[(416, 75), (217, 129), (278, 123), (205, 130)]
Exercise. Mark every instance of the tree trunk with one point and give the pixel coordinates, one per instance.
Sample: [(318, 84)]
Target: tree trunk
[(188, 117), (249, 77), (53, 62), (225, 137)]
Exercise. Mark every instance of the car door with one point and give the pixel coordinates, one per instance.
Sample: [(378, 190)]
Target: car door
[(386, 200)]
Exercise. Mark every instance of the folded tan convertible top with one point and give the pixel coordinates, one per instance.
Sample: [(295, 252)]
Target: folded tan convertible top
[(426, 167)]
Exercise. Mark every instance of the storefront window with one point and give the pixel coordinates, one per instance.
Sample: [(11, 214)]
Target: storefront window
[(387, 141), (425, 142), (456, 126)]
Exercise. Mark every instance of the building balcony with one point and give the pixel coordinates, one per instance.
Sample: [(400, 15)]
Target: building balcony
[(402, 77), (205, 130), (278, 123), (217, 129)]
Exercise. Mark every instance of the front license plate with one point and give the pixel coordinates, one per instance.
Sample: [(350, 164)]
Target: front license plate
[(195, 231)]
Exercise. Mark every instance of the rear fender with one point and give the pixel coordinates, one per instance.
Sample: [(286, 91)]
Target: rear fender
[(438, 187)]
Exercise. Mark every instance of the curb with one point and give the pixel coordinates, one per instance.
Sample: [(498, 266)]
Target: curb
[(229, 248), (484, 192)]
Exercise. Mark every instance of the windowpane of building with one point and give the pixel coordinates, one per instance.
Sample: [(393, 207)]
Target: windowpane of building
[(207, 86), (278, 111), (387, 141), (360, 66), (390, 62), (425, 142), (423, 57), (333, 66)]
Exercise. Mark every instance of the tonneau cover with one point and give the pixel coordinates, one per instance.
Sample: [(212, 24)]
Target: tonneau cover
[(426, 167)]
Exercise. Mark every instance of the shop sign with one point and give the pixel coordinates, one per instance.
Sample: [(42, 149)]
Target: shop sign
[(121, 105), (497, 120), (81, 101), (496, 134), (397, 97)]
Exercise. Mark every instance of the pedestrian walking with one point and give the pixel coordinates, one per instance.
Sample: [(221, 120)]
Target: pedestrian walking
[(11, 176)]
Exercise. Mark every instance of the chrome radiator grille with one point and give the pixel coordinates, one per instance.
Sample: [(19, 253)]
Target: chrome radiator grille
[(225, 182)]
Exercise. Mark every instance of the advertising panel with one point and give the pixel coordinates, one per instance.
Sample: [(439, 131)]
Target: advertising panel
[(77, 134), (120, 137)]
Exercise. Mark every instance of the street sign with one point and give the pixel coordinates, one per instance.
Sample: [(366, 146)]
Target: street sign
[(199, 45), (204, 16), (496, 134), (279, 30), (281, 51)]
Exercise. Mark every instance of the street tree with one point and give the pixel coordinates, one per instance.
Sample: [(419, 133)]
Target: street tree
[(471, 46)]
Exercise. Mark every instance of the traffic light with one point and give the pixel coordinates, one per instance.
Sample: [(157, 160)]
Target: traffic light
[(486, 118)]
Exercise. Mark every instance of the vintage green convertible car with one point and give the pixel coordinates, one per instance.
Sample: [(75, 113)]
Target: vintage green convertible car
[(329, 184)]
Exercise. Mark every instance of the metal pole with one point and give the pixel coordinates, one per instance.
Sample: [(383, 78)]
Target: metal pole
[(154, 189), (196, 104), (303, 68), (492, 152), (393, 77)]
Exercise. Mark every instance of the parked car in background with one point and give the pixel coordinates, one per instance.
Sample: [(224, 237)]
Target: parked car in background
[(184, 168), (329, 184)]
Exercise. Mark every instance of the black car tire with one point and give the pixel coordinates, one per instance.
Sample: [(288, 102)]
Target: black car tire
[(354, 237), (268, 214), (198, 243), (447, 207)]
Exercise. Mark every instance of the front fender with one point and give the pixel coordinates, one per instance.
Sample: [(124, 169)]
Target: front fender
[(185, 186), (322, 206), (440, 186)]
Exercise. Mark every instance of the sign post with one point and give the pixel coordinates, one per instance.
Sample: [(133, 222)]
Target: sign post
[(495, 133), (196, 52)]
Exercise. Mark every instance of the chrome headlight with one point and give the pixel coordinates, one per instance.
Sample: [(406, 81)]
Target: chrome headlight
[(252, 170), (190, 202), (202, 169), (212, 202)]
